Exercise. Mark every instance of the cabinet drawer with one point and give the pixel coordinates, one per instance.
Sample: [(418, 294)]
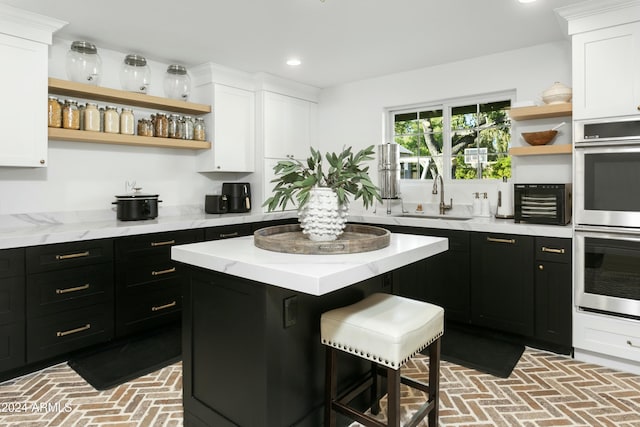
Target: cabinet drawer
[(67, 255), (157, 244), (11, 346), (60, 333), (607, 335), (149, 310), (68, 289), (11, 262), (11, 299), (148, 271), (227, 231), (553, 249)]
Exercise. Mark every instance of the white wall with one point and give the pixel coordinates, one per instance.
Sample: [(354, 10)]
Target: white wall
[(84, 176), (352, 114)]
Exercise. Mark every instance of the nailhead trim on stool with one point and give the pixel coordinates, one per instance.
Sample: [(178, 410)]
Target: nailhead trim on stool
[(387, 330)]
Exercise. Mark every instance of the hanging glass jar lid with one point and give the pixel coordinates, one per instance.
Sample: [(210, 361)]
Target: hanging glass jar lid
[(135, 74), (177, 83), (83, 63)]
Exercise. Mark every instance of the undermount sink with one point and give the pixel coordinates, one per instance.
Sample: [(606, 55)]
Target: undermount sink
[(431, 216)]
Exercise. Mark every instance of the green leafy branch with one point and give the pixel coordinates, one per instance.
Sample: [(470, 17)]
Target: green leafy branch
[(345, 175)]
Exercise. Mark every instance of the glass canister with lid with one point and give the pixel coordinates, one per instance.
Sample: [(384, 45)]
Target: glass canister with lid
[(188, 127), (54, 113), (177, 83), (135, 74), (92, 117), (127, 121), (199, 133), (83, 63), (70, 115), (111, 120)]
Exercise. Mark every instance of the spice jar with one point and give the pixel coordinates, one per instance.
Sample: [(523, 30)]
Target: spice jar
[(174, 126), (161, 125), (70, 115), (83, 63), (177, 83), (199, 130), (127, 122), (135, 74), (92, 117), (55, 113), (111, 120), (188, 127)]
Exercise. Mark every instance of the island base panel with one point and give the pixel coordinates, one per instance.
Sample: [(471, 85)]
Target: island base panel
[(252, 354)]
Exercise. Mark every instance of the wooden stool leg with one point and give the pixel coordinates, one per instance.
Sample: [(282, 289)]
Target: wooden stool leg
[(393, 397), (434, 382), (330, 386), (375, 406)]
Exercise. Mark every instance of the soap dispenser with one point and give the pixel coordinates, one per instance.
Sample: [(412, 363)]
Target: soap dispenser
[(477, 205), (484, 207)]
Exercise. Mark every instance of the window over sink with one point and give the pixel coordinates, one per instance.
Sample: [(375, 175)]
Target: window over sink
[(460, 139)]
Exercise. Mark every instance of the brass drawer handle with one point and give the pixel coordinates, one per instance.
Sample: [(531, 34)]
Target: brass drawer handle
[(162, 307), (496, 240), (553, 250), (75, 289), (71, 256), (165, 243), (227, 235), (167, 271), (73, 331)]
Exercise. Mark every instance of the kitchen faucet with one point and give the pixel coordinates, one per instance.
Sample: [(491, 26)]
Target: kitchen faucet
[(443, 206)]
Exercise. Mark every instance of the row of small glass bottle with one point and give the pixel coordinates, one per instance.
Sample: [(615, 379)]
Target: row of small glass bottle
[(173, 126), (90, 117)]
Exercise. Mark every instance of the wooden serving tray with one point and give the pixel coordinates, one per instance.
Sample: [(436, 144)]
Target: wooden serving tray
[(289, 239)]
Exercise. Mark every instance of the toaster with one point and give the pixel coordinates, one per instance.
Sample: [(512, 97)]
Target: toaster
[(216, 203)]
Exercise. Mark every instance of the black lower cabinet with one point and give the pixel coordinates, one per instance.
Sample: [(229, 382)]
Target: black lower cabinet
[(502, 283), (252, 354), (442, 279), (12, 313), (553, 293)]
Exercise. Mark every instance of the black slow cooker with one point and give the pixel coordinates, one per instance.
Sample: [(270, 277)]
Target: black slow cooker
[(137, 206)]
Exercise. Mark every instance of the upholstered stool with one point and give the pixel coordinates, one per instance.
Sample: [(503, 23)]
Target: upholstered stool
[(387, 330)]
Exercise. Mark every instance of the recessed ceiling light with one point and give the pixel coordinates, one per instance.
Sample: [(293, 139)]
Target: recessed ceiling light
[(294, 62)]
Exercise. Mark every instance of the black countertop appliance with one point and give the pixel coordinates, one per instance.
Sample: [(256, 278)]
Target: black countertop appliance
[(238, 196)]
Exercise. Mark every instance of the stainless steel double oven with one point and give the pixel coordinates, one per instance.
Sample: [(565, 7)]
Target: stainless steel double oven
[(607, 216)]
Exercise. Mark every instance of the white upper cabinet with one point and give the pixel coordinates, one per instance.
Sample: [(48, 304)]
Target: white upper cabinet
[(288, 126), (233, 125), (24, 41), (606, 72)]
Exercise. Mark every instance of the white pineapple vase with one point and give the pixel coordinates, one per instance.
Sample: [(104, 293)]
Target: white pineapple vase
[(322, 218)]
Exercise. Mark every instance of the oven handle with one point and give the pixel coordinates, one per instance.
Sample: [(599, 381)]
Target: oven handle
[(608, 230), (634, 142)]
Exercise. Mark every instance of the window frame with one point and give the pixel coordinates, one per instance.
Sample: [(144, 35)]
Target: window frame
[(446, 105)]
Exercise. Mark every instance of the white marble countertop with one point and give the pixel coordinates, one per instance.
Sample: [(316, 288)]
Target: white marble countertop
[(21, 230), (310, 274)]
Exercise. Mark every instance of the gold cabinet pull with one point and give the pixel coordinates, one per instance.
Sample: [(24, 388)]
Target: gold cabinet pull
[(74, 289), (540, 267), (167, 271), (165, 243), (496, 240), (162, 307), (553, 250), (227, 235), (71, 256), (73, 331)]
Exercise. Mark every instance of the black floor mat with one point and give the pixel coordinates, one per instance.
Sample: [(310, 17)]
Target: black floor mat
[(123, 361), (472, 350)]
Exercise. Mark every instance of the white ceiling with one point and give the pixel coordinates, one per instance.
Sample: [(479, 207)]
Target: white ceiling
[(338, 41)]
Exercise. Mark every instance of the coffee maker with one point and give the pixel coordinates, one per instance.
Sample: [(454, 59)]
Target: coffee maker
[(238, 196)]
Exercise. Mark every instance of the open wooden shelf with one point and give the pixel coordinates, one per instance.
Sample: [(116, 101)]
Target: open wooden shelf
[(541, 150), (541, 112), (119, 139), (105, 94)]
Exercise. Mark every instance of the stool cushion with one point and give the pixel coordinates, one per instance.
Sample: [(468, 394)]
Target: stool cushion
[(386, 329)]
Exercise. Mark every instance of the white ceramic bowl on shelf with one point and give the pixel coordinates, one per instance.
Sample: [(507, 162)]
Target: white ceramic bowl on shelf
[(557, 94)]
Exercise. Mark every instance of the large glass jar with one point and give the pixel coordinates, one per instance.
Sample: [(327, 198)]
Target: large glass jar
[(92, 117), (83, 63), (70, 115), (199, 129), (135, 74), (55, 113), (111, 120), (127, 122), (177, 83)]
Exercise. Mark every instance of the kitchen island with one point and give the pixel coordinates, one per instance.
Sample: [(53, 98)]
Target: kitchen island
[(251, 326)]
